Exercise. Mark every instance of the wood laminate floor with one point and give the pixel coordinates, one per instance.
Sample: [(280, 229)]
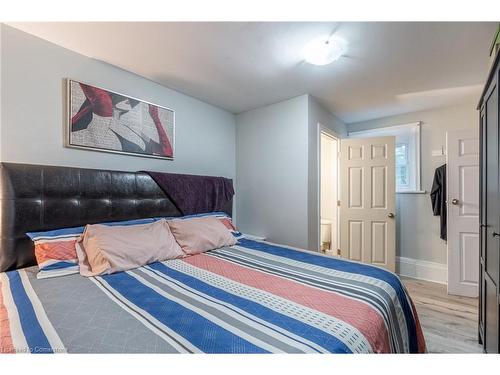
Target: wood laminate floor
[(449, 322)]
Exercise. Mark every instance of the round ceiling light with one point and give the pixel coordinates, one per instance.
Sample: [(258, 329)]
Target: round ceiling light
[(325, 50)]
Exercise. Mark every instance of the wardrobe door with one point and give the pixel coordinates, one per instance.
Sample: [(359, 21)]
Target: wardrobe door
[(491, 261), (482, 221)]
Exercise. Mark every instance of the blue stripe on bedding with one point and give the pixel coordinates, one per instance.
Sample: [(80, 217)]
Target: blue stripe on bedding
[(294, 326), (59, 265), (57, 232), (344, 266), (79, 230), (33, 332), (187, 323)]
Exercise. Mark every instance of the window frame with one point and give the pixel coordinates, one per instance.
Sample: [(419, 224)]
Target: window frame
[(405, 134)]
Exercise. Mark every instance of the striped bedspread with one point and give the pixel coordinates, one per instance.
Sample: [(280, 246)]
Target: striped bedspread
[(254, 297)]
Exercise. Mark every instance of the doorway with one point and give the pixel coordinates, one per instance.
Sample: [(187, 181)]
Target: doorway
[(357, 198), (329, 183)]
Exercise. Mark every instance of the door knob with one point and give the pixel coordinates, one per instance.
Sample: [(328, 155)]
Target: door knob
[(391, 215), (495, 234), (454, 201)]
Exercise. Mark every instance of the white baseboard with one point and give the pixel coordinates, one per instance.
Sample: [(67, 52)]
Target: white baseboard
[(422, 270)]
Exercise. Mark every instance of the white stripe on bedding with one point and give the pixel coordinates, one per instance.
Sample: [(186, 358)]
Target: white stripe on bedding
[(250, 320), (62, 238), (214, 319), (339, 274), (131, 308), (47, 327), (16, 331), (348, 334), (46, 274)]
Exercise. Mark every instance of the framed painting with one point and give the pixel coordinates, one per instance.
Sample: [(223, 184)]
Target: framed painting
[(103, 120)]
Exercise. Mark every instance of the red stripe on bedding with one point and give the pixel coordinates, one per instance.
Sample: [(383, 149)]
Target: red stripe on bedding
[(6, 345), (420, 333), (227, 223), (60, 250), (357, 314)]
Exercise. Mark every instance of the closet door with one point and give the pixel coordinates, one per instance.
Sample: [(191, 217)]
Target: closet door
[(462, 160), (482, 220), (492, 225)]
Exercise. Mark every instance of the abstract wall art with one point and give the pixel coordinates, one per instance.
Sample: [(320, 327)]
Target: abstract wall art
[(104, 120)]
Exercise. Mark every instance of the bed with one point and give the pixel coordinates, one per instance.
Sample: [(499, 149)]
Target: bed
[(253, 297)]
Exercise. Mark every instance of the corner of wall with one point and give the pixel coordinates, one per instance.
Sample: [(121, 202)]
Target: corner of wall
[(317, 114), (271, 171)]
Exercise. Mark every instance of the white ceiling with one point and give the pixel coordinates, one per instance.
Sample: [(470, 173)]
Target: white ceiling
[(390, 68)]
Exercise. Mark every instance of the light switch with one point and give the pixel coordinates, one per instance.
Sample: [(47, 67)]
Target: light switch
[(438, 152)]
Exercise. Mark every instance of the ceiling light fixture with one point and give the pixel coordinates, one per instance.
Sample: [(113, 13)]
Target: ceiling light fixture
[(325, 50)]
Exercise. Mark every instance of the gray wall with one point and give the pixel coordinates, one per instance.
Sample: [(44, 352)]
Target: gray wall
[(417, 234), (272, 171), (32, 112), (277, 170), (277, 151)]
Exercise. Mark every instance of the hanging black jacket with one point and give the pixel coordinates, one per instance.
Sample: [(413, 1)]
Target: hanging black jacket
[(438, 197)]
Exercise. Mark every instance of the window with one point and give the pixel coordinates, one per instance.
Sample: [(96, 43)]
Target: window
[(407, 153), (402, 171)]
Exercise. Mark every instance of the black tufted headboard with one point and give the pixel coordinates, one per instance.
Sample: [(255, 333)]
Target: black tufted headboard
[(38, 197)]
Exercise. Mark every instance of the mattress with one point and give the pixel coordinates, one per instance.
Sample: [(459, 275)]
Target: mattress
[(254, 297)]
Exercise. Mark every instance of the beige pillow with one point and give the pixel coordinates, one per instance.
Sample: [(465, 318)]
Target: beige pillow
[(201, 234), (106, 249)]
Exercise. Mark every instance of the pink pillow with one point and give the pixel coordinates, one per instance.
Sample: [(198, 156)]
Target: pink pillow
[(107, 249), (201, 234)]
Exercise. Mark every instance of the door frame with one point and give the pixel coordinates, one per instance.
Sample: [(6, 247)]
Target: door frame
[(331, 133)]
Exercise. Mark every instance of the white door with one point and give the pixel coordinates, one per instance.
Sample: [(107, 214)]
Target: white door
[(463, 212), (368, 200)]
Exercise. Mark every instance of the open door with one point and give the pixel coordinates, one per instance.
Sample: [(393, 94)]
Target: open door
[(368, 201), (463, 212)]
